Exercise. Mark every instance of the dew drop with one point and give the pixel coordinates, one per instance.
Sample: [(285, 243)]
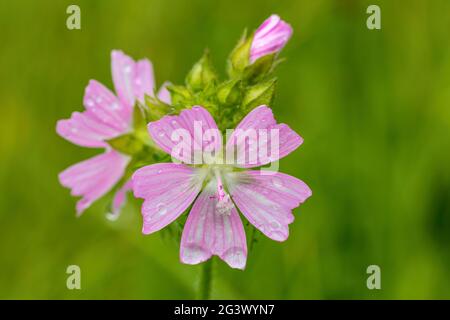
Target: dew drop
[(159, 171), (127, 69), (275, 224), (99, 100), (162, 210), (89, 103), (277, 183), (161, 134)]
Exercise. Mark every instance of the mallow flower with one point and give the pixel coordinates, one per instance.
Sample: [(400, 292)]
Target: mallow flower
[(217, 188), (271, 36), (106, 116)]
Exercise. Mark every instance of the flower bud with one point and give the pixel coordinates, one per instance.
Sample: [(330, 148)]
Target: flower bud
[(229, 93), (270, 37), (259, 94), (201, 74)]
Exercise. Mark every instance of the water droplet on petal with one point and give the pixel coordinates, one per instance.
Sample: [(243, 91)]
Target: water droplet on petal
[(161, 134), (127, 69), (138, 81), (275, 224), (89, 103), (277, 183), (99, 100), (162, 209), (159, 171)]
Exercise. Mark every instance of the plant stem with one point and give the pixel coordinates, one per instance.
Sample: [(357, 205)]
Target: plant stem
[(205, 281)]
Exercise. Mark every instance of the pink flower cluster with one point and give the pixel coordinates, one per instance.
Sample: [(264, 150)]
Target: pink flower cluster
[(213, 192)]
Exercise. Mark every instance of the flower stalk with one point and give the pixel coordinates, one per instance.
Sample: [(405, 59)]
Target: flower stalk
[(206, 280)]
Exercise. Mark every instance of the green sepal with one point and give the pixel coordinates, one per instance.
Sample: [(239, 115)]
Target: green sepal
[(127, 144), (230, 93), (155, 109), (180, 95), (201, 74), (259, 69), (239, 58), (259, 94)]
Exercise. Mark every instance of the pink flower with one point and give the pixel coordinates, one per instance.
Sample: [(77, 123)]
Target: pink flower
[(106, 116), (270, 37), (213, 226)]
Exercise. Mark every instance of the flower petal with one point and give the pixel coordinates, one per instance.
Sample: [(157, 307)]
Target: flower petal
[(267, 200), (106, 108), (131, 79), (85, 130), (94, 177), (119, 201), (187, 136), (207, 233), (168, 190), (164, 94), (259, 140), (270, 37)]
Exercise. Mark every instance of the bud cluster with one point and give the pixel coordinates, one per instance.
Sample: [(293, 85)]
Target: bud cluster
[(250, 81)]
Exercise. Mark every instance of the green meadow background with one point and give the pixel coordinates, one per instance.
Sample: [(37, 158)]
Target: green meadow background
[(372, 106)]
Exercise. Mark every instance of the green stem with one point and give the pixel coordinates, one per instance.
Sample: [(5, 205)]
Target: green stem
[(205, 281)]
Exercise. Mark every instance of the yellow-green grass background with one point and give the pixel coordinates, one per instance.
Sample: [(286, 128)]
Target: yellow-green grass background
[(372, 106)]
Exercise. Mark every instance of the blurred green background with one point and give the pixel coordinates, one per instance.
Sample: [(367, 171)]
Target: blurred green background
[(372, 106)]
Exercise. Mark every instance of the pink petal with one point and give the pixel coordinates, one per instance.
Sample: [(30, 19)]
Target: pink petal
[(93, 178), (257, 125), (106, 108), (175, 133), (85, 130), (119, 200), (131, 79), (208, 233), (270, 37), (267, 200), (168, 190), (164, 94)]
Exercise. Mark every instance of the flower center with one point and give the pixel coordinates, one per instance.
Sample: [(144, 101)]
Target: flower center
[(224, 204)]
